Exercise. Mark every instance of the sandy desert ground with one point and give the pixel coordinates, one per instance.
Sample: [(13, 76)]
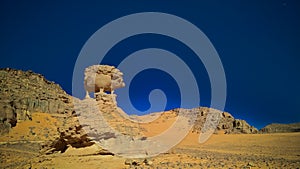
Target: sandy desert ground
[(220, 151), (280, 150)]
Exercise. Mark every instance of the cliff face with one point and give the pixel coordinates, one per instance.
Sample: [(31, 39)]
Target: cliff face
[(22, 93), (40, 109), (227, 124)]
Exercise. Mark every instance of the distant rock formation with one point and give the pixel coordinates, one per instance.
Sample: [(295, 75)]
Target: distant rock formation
[(228, 124), (281, 128)]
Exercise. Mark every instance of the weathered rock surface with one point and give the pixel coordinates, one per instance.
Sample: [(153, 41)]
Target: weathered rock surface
[(22, 93), (69, 134), (281, 128), (102, 78), (227, 123)]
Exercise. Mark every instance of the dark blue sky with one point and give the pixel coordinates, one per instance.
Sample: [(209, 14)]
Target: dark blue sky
[(257, 41)]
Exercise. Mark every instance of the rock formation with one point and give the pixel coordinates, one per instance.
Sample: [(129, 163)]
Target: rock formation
[(228, 124), (25, 93), (38, 118), (235, 126), (22, 93), (102, 78), (281, 128)]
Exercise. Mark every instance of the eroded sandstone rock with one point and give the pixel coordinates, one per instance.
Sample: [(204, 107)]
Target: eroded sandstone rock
[(228, 124), (102, 78), (281, 128), (22, 93)]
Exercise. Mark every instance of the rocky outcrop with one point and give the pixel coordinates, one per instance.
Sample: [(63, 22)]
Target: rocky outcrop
[(69, 134), (82, 128), (228, 124), (281, 128), (102, 78), (78, 122), (22, 93), (241, 126)]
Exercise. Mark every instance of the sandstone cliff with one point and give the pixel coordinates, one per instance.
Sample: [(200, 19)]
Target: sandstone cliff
[(22, 93), (227, 124), (23, 96), (281, 128)]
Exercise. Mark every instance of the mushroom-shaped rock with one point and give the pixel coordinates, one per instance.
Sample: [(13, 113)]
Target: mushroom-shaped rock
[(102, 78)]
